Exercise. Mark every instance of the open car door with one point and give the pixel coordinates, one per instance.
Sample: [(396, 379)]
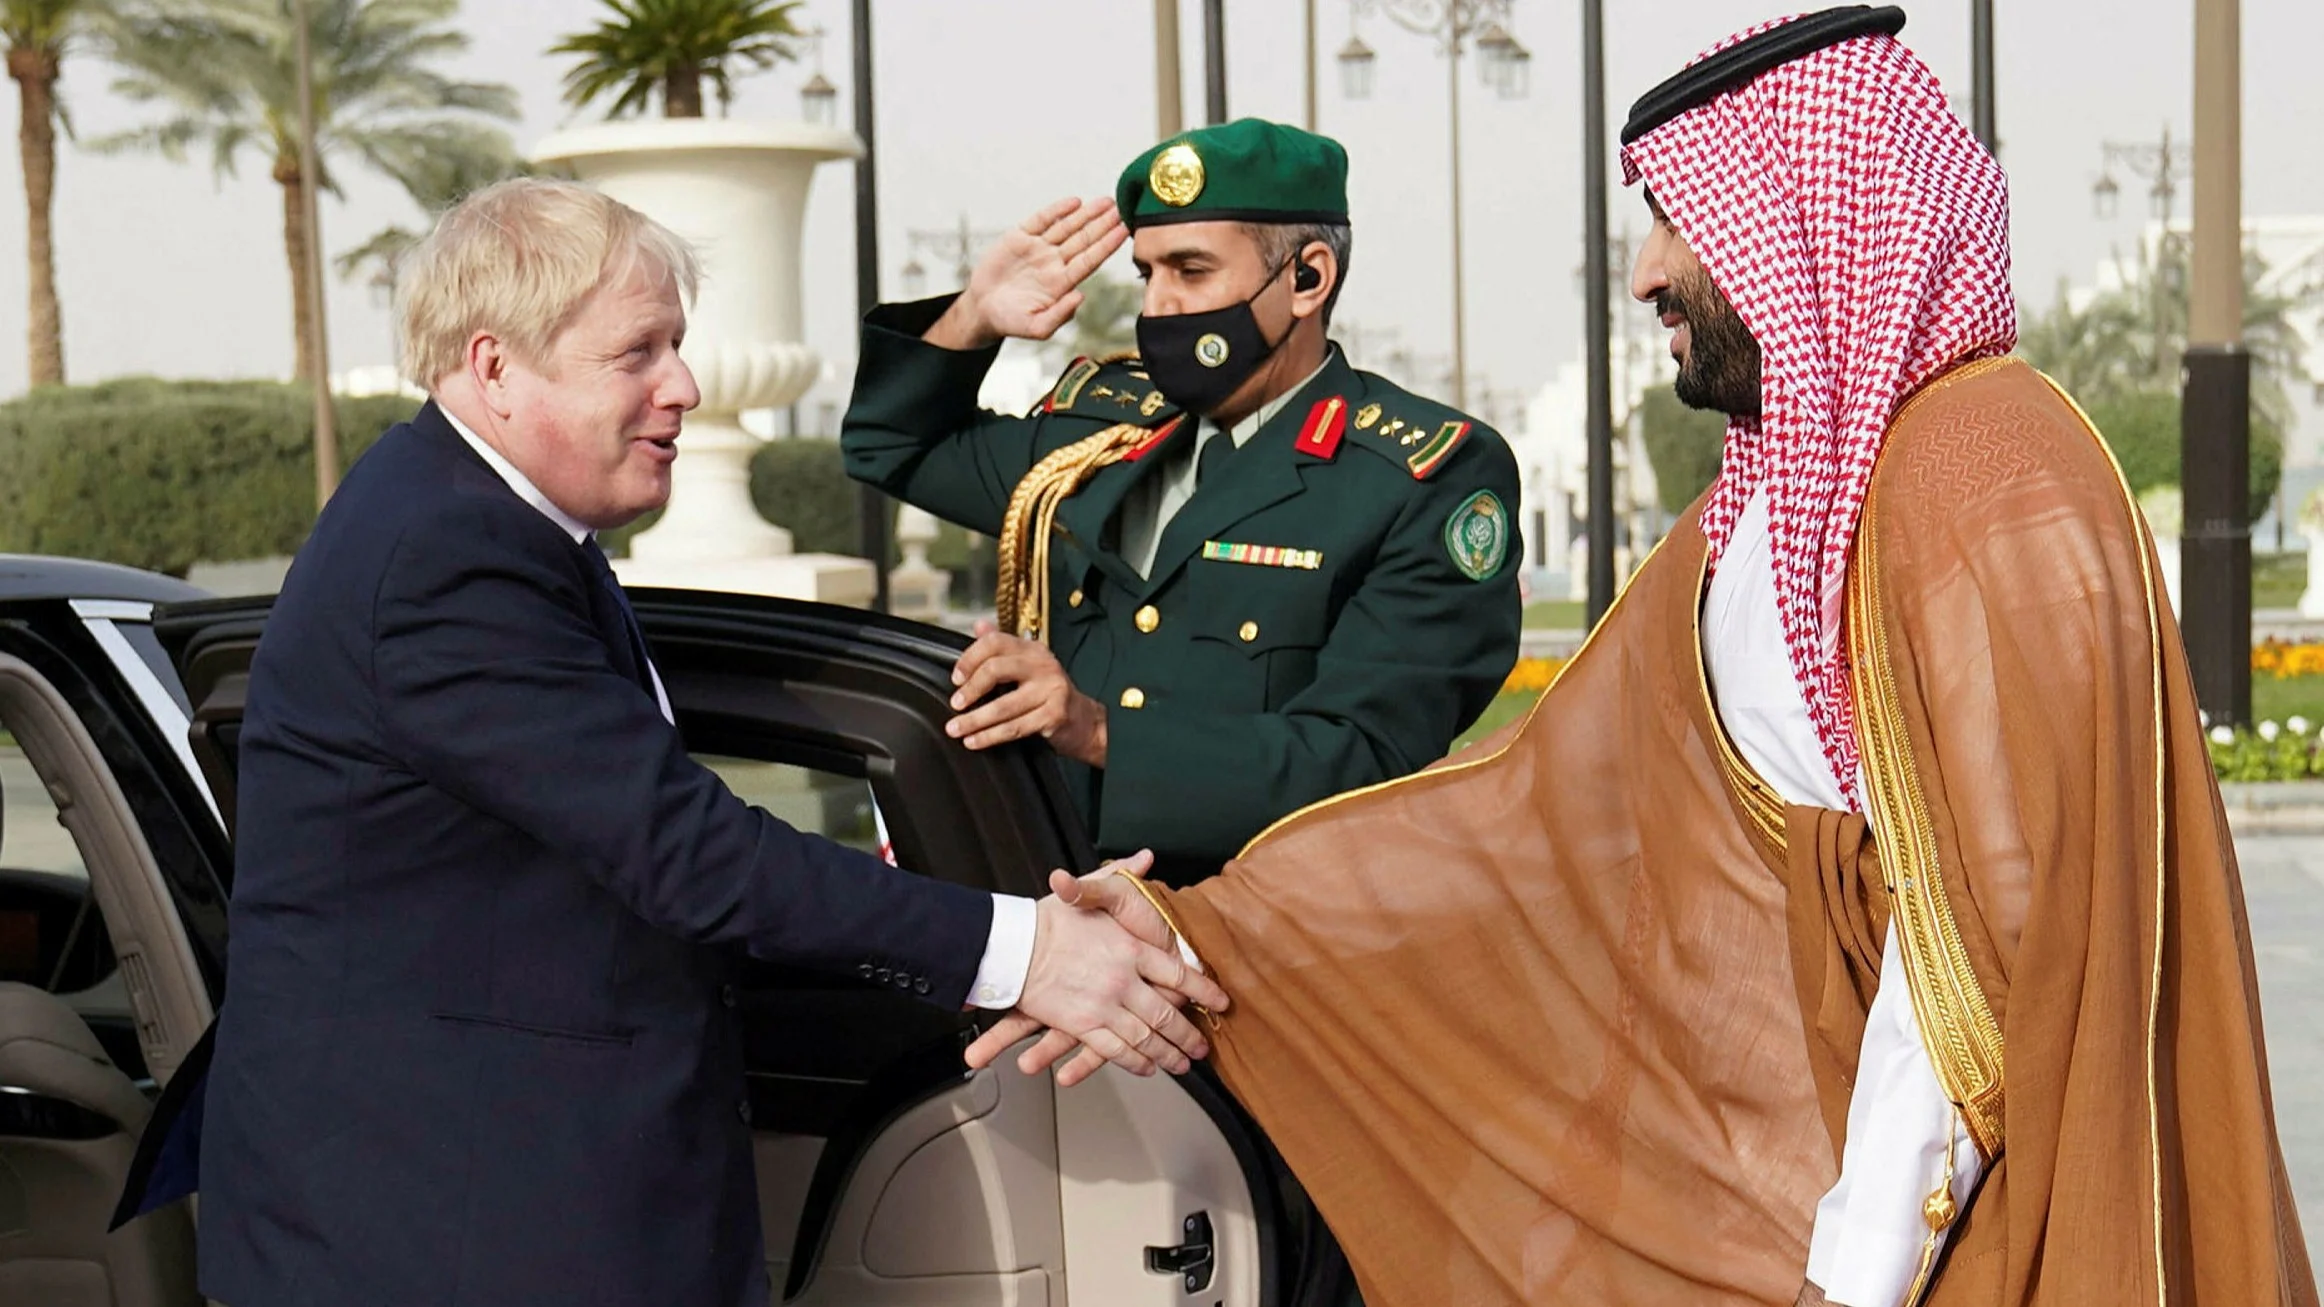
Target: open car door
[(888, 1175)]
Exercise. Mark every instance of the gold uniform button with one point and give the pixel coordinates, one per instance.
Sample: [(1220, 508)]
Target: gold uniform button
[(1133, 698), (1249, 632), (1073, 600), (1148, 618)]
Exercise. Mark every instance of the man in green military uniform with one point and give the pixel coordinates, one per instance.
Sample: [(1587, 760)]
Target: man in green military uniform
[(1275, 577)]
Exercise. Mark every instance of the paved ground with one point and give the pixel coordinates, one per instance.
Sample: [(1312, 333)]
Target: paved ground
[(2283, 882)]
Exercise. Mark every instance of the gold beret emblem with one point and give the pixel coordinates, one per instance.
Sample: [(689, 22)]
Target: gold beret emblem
[(1176, 177)]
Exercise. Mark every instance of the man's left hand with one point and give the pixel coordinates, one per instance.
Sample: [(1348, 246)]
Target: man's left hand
[(1043, 701)]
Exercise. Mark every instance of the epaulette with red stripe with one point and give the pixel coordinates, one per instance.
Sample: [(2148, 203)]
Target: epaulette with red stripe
[(1421, 439)]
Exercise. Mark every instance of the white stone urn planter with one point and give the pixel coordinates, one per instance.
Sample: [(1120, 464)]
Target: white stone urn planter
[(2312, 526), (738, 191)]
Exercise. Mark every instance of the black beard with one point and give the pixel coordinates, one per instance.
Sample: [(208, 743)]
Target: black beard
[(1721, 372)]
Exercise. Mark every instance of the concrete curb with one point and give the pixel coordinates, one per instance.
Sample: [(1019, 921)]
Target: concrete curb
[(2274, 807)]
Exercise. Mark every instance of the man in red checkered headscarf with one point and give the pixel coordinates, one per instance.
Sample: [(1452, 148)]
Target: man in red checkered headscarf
[(1854, 919)]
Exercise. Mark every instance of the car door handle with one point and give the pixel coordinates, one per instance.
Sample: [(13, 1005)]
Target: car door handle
[(1193, 1259)]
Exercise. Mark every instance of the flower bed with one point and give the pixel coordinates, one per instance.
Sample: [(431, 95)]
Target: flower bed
[(1531, 675), (2284, 659), (2286, 751)]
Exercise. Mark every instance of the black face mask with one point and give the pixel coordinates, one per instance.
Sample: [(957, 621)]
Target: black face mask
[(1198, 359)]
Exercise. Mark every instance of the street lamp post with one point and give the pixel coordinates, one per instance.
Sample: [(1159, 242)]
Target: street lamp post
[(871, 505), (955, 246), (2215, 412), (2161, 166), (1981, 75), (1598, 313), (1504, 65)]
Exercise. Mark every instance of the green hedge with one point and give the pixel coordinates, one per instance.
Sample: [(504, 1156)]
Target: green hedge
[(165, 474), (2143, 430)]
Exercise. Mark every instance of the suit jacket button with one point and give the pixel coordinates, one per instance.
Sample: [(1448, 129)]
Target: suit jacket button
[(1148, 618), (880, 976), (726, 995), (742, 1109), (903, 981), (1249, 632), (1133, 698), (1073, 600), (864, 971), (921, 985)]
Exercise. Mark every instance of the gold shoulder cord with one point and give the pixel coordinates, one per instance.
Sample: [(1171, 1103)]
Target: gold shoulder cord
[(1023, 600)]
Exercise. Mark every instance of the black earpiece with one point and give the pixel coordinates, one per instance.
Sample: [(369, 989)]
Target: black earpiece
[(1306, 277)]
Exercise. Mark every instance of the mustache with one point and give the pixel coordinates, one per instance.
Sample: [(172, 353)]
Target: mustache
[(1670, 301)]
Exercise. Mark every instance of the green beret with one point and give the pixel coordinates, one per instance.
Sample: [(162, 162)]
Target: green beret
[(1248, 170)]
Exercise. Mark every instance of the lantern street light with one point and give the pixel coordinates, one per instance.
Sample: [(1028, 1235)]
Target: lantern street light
[(1503, 65)]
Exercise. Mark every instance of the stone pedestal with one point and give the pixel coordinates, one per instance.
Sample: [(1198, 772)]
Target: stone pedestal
[(915, 588), (738, 191), (2312, 526)]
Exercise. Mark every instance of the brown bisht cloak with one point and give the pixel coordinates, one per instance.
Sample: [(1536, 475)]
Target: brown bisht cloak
[(1572, 1018)]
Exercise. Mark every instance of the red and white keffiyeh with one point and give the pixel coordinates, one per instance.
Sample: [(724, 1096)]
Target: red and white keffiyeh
[(1862, 232)]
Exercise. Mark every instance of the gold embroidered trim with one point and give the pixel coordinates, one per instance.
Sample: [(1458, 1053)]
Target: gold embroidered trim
[(1957, 1024), (2155, 979), (1022, 599)]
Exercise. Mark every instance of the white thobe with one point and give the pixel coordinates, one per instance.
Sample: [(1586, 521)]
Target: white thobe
[(1869, 1232)]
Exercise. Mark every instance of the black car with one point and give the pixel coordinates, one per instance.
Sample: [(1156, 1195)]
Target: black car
[(887, 1173)]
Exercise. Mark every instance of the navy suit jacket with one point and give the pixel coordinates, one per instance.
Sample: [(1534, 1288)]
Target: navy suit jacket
[(478, 1044)]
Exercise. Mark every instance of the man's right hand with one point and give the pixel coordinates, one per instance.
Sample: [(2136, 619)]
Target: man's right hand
[(1095, 984), (1025, 286)]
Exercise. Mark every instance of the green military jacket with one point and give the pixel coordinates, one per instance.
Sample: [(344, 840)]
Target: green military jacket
[(1327, 612)]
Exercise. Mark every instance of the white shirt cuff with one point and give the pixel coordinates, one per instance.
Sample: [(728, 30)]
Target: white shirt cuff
[(1866, 1246), (1008, 954)]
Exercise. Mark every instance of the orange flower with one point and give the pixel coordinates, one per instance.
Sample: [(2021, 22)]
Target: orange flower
[(1531, 675), (2284, 660)]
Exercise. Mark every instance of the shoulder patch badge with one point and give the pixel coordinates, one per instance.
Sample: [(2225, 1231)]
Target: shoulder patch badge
[(1069, 386), (1477, 535)]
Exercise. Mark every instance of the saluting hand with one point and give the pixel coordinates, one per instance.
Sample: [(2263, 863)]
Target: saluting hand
[(1025, 286)]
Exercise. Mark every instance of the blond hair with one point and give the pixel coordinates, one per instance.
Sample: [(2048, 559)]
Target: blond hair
[(518, 259)]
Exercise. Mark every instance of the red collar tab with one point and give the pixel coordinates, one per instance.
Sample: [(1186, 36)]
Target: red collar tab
[(1326, 423), (1161, 433)]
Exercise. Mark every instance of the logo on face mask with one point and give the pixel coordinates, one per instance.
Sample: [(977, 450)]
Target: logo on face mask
[(1197, 360)]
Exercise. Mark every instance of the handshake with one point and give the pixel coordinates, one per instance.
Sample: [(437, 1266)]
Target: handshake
[(1108, 980)]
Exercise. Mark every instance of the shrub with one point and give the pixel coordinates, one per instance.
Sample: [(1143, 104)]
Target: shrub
[(164, 474)]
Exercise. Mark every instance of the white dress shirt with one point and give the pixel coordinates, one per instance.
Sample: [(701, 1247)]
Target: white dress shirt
[(1869, 1232), (1008, 949)]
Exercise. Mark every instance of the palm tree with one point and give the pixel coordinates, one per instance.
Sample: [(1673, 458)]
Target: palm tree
[(1107, 321), (36, 31), (674, 45), (224, 73)]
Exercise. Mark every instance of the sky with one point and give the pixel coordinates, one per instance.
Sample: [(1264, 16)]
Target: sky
[(988, 109)]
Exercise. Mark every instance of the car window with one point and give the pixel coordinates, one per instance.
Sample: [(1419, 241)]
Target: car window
[(839, 808), (31, 839)]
